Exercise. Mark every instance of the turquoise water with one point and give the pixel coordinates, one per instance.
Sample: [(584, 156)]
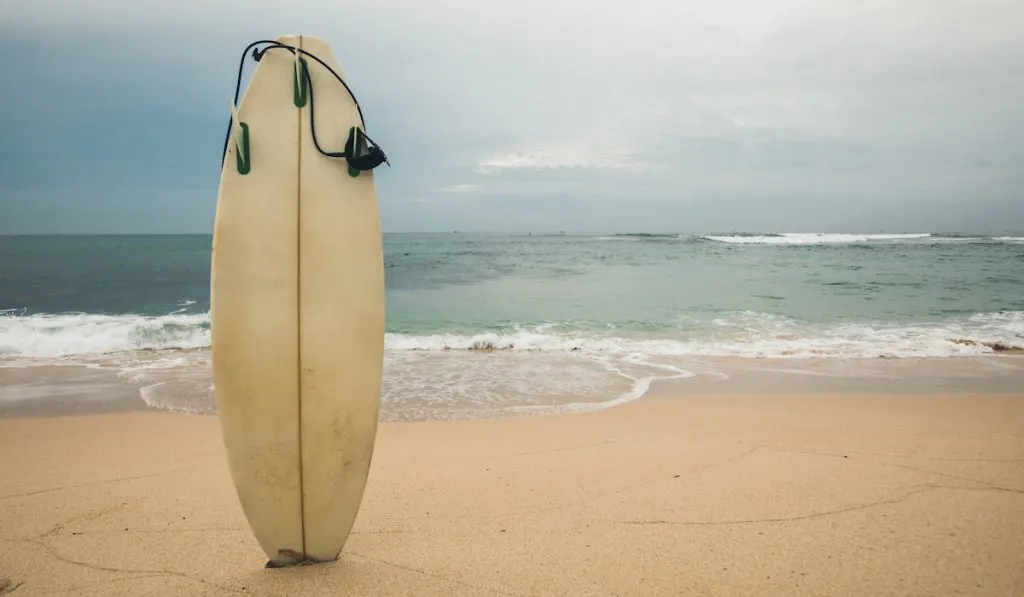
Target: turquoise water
[(527, 321), (678, 287)]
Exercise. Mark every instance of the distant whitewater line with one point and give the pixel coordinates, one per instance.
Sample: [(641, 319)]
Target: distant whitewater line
[(821, 238), (762, 336), (810, 238)]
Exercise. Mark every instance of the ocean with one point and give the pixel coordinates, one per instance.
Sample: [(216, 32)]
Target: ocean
[(482, 325)]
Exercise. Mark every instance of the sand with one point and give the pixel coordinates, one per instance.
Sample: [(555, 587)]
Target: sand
[(799, 494)]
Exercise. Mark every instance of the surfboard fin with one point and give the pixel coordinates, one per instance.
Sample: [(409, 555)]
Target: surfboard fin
[(243, 161), (362, 153), (301, 79)]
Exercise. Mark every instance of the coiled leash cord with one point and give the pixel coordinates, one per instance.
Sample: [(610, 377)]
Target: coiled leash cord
[(357, 153)]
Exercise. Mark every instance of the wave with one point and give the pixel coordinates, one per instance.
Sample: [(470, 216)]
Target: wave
[(547, 368), (827, 238), (745, 334), (760, 335), (82, 333), (810, 238), (807, 238)]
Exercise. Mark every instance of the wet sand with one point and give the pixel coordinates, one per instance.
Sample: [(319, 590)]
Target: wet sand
[(180, 381)]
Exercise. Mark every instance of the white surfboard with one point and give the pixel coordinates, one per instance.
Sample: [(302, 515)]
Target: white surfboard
[(297, 308)]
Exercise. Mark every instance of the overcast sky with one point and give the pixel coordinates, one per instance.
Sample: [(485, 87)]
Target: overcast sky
[(577, 115)]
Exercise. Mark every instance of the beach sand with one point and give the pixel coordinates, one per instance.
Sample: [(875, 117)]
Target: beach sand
[(758, 494)]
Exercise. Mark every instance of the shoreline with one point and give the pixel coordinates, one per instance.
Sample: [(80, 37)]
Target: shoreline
[(54, 390), (714, 494)]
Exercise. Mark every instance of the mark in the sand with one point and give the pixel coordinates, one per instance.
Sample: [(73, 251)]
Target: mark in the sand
[(892, 455), (91, 484), (434, 575), (8, 586), (986, 484), (910, 491), (52, 551)]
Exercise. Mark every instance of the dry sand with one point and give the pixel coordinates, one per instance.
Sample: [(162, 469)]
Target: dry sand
[(805, 494)]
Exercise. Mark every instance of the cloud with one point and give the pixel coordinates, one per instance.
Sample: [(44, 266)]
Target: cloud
[(631, 108), (566, 157), (461, 188)]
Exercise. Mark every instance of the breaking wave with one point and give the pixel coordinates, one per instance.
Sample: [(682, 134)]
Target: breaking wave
[(810, 238), (828, 238), (746, 334), (83, 334), (757, 335)]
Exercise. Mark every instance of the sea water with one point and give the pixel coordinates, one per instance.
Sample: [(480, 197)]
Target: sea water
[(504, 324)]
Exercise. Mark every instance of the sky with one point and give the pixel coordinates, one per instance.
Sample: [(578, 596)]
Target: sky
[(535, 115)]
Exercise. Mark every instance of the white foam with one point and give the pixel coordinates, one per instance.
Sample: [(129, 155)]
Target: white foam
[(24, 339), (811, 238), (535, 340), (174, 380), (528, 371), (1010, 239), (82, 334), (446, 385), (759, 335), (641, 384)]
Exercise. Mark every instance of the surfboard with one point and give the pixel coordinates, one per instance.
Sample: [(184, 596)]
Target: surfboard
[(297, 304)]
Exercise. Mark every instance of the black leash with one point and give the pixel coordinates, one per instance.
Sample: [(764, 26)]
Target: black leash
[(359, 156)]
